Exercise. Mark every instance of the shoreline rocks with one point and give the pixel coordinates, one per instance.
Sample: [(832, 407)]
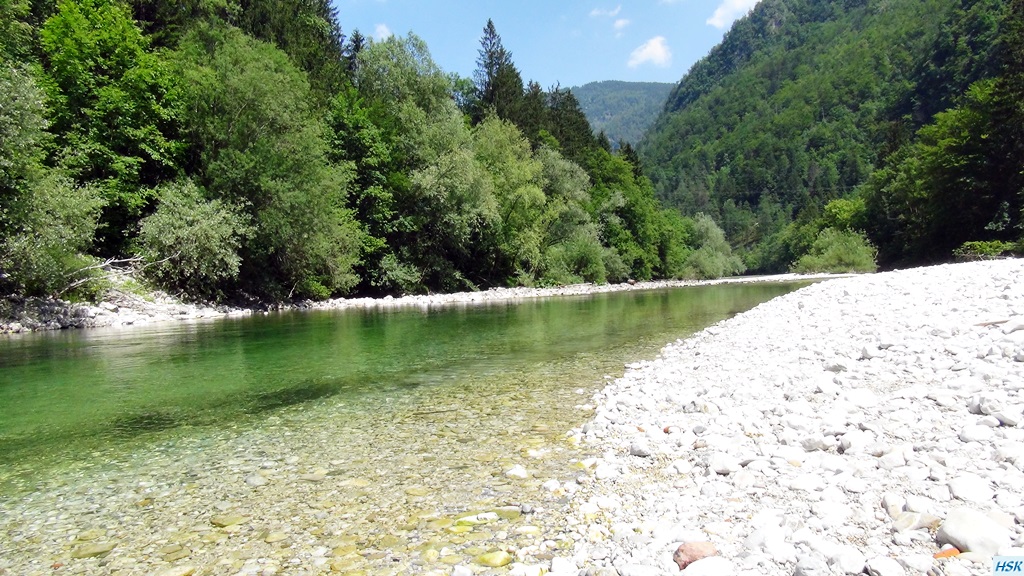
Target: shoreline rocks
[(119, 308), (855, 425)]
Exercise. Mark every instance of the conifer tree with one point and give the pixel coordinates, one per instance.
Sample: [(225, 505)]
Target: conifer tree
[(499, 84)]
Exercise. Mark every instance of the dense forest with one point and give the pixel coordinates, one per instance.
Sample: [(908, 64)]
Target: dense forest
[(824, 133), (249, 150), (623, 111)]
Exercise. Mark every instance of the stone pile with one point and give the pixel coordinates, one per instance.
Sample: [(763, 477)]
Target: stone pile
[(862, 425)]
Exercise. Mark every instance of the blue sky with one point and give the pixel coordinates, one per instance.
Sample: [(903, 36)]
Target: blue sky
[(571, 42)]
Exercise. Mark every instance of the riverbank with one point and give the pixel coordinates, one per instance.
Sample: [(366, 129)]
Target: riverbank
[(869, 424), (121, 307)]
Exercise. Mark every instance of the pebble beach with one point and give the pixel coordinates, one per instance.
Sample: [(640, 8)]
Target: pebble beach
[(863, 425), (870, 424)]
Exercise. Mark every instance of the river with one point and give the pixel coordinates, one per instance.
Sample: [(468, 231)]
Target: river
[(346, 441)]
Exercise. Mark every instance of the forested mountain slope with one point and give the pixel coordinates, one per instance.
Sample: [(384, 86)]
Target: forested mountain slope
[(622, 110), (835, 116)]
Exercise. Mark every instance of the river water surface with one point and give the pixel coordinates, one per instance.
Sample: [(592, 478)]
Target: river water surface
[(361, 442)]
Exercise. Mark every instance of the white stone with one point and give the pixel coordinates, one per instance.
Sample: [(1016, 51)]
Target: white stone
[(517, 471), (563, 565), (971, 488), (723, 464), (976, 433), (639, 448), (884, 566), (1013, 325), (972, 531), (848, 560)]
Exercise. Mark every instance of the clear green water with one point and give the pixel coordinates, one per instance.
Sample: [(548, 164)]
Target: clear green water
[(69, 397)]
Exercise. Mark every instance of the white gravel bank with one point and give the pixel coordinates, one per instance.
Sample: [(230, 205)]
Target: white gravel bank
[(854, 426), (122, 308)]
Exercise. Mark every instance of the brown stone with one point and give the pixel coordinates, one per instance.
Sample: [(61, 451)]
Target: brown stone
[(690, 552)]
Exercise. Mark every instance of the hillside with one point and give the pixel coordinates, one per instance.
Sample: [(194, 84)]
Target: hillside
[(787, 127), (622, 110)]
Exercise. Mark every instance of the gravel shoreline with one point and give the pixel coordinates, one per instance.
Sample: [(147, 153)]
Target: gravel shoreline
[(872, 424), (857, 425), (120, 308)]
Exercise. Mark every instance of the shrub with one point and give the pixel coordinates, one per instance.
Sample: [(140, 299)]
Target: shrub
[(713, 257), (838, 251), (43, 255), (191, 244), (580, 258), (982, 250)]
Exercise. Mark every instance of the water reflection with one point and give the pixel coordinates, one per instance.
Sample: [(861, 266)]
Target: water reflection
[(65, 394)]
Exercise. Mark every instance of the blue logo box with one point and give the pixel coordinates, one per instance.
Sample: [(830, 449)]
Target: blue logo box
[(1008, 565)]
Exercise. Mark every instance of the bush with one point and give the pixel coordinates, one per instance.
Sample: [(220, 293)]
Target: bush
[(838, 251), (43, 254), (713, 257), (578, 259), (191, 244), (981, 250)]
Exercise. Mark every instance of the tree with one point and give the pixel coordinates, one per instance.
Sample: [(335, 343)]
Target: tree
[(498, 82), (307, 31), (113, 109), (350, 53), (430, 198), (257, 146), (46, 222), (15, 31), (713, 257), (568, 125), (838, 251), (515, 176)]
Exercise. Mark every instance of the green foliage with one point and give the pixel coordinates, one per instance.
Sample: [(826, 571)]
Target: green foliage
[(578, 258), (15, 31), (244, 150), (43, 253), (674, 244), (790, 110), (622, 110), (429, 197), (307, 31), (846, 214), (986, 250), (838, 251), (712, 257), (954, 184), (46, 222), (260, 148), (515, 182), (112, 105), (191, 244), (499, 86), (22, 138)]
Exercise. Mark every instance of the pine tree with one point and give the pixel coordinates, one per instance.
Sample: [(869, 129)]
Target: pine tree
[(499, 84), (350, 53)]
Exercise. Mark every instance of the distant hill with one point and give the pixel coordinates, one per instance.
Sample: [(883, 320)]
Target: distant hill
[(809, 101), (623, 110)]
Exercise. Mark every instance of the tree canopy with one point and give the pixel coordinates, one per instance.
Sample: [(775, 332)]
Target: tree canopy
[(902, 108)]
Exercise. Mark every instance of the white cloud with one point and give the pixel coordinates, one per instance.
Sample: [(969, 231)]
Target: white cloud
[(621, 23), (382, 32), (729, 10), (602, 12), (654, 51)]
